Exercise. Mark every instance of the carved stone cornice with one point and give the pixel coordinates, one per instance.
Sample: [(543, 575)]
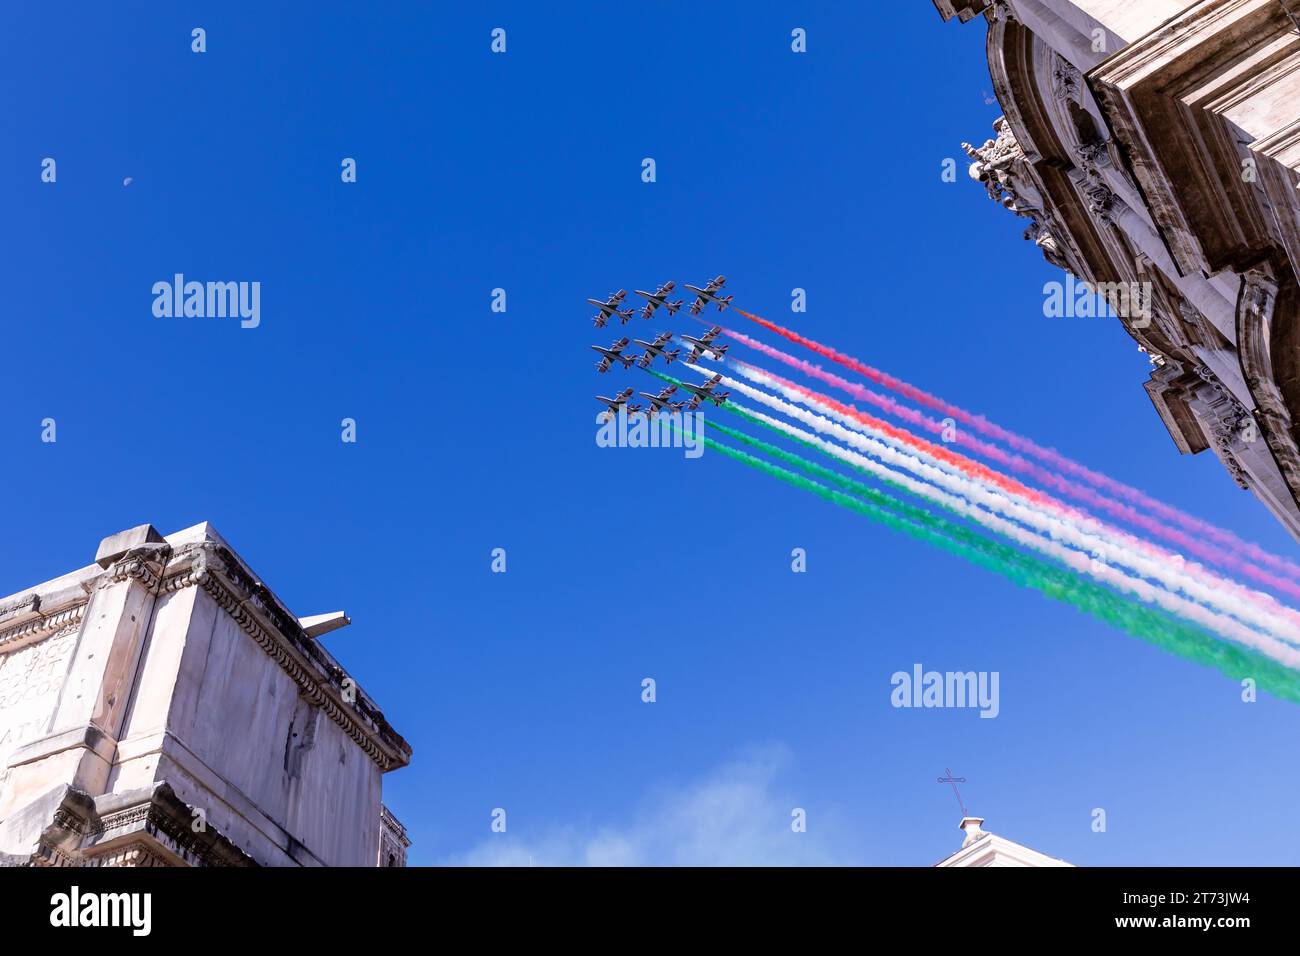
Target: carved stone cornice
[(138, 854), (21, 610), (28, 619), (145, 565), (47, 855), (51, 625), (155, 830), (168, 823), (214, 569)]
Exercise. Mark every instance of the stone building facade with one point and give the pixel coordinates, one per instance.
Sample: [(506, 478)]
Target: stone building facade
[(393, 841), (1154, 146), (161, 707)]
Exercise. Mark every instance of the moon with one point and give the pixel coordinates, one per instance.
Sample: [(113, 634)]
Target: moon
[(127, 181)]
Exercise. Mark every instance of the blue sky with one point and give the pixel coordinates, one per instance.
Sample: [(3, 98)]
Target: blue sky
[(475, 429)]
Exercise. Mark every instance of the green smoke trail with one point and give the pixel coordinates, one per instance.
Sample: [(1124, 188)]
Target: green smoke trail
[(1150, 624)]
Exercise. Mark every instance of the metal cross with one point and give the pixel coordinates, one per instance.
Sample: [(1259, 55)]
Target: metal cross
[(954, 781)]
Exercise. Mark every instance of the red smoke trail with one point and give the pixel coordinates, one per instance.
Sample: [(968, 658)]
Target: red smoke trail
[(1049, 455)]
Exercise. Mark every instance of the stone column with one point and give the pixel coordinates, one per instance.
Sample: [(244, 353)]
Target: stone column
[(81, 741)]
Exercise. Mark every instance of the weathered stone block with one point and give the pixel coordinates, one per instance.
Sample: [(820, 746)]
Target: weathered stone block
[(116, 545)]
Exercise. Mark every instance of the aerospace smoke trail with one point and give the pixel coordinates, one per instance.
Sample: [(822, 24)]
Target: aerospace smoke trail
[(931, 451), (1111, 544), (1146, 623), (1048, 455), (1077, 491), (1088, 523), (966, 494), (1058, 578), (1052, 526)]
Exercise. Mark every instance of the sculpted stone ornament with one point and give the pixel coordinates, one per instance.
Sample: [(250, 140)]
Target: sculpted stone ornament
[(1102, 201), (1223, 421), (995, 164), (995, 156), (1065, 79), (1094, 156), (1040, 236), (1001, 11)]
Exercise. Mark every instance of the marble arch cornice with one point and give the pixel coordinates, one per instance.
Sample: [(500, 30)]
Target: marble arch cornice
[(60, 621), (150, 827), (216, 571), (144, 565)]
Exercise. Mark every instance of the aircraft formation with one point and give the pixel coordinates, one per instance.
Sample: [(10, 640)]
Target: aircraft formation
[(704, 346)]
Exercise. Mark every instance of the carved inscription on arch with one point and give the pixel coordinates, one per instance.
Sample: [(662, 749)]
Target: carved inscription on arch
[(30, 681)]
